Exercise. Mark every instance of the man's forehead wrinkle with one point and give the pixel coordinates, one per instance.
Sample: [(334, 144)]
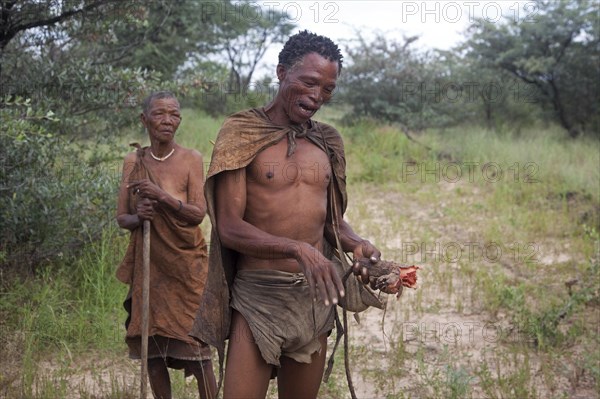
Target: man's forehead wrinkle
[(315, 70), (302, 60)]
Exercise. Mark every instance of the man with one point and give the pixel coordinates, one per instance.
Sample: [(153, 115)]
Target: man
[(276, 195), (164, 183)]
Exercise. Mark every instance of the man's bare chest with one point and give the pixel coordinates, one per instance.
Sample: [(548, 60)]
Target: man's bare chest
[(308, 165)]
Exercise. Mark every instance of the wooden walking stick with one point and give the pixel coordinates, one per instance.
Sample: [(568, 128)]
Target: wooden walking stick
[(145, 307)]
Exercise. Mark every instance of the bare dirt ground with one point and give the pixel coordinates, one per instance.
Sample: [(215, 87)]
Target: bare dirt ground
[(430, 342)]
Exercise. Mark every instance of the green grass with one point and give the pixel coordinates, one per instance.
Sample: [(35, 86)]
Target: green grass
[(197, 131), (544, 155), (402, 196), (67, 309)]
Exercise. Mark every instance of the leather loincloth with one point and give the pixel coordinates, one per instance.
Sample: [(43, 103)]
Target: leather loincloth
[(281, 314)]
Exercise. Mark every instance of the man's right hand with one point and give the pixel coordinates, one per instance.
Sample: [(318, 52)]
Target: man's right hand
[(320, 273)]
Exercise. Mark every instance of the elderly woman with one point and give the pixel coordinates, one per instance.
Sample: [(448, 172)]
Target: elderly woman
[(164, 183)]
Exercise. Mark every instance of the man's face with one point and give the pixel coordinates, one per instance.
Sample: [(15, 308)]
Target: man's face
[(162, 119), (306, 86)]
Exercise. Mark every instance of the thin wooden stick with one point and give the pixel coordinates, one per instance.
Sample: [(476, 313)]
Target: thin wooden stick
[(145, 308), (347, 356)]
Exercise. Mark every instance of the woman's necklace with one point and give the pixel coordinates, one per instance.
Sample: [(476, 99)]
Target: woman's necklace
[(163, 158)]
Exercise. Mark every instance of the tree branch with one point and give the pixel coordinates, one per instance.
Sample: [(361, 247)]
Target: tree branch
[(59, 18)]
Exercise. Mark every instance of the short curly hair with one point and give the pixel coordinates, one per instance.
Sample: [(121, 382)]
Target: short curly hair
[(306, 42), (157, 95)]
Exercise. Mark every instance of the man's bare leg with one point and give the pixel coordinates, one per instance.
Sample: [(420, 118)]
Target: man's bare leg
[(302, 380), (246, 373), (160, 382), (203, 371)]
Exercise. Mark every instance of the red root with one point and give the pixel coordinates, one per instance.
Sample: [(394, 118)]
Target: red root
[(390, 277)]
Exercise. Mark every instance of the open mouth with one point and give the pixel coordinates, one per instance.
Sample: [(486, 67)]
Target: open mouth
[(307, 110)]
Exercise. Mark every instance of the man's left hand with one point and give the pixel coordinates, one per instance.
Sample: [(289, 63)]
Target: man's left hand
[(364, 250)]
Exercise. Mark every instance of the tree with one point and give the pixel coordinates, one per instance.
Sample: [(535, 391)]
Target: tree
[(392, 82), (58, 52), (166, 35), (484, 94), (242, 37), (557, 50), (21, 16)]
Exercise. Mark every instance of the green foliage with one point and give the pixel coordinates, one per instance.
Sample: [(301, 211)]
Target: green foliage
[(539, 157), (375, 149), (92, 64), (497, 382), (445, 379), (557, 51), (207, 89), (53, 198), (69, 66), (153, 36), (391, 82), (505, 76), (199, 131), (242, 35), (538, 316), (71, 307), (164, 35), (90, 101), (34, 21), (486, 96)]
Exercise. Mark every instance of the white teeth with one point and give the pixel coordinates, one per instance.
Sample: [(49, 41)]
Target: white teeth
[(308, 111)]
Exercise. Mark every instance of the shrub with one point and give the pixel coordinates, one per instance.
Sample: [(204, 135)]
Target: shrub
[(53, 196)]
